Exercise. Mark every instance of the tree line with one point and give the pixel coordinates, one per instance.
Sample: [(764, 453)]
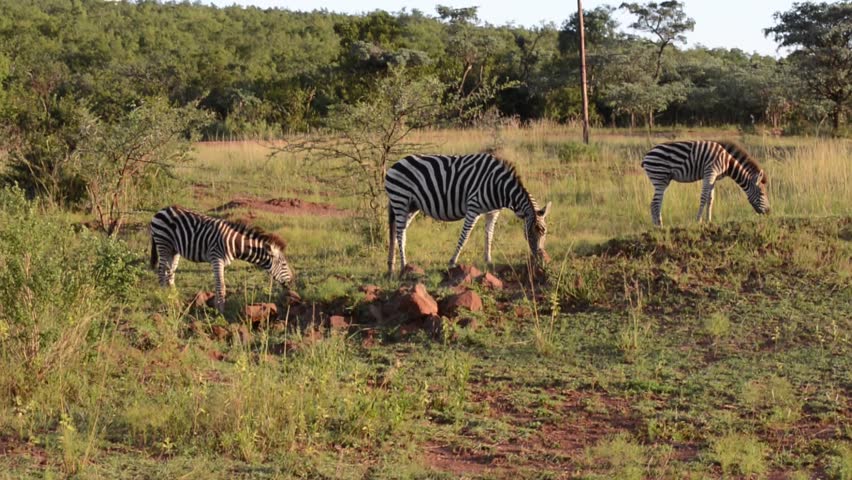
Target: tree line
[(268, 71)]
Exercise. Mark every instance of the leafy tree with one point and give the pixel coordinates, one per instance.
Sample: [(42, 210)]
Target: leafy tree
[(466, 44), (821, 34), (600, 29), (665, 20), (116, 159)]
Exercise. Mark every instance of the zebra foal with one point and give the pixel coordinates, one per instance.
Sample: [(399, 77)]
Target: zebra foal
[(177, 232), (451, 188), (708, 161)]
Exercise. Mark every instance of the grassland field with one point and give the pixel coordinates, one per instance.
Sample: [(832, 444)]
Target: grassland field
[(688, 352)]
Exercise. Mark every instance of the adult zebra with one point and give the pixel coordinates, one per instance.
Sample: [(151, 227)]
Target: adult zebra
[(451, 188), (690, 161), (177, 232)]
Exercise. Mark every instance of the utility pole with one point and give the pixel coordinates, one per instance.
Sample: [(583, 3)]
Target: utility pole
[(583, 85)]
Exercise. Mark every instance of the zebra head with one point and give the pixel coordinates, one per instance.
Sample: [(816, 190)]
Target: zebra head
[(278, 267), (756, 191), (535, 230)]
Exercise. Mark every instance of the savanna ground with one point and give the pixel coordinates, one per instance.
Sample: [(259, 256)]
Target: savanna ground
[(695, 351)]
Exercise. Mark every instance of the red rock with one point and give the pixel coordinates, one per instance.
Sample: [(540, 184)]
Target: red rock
[(371, 292), (220, 333), (469, 299), (338, 323), (491, 282), (260, 312), (412, 304), (412, 270), (462, 275), (369, 340), (203, 298)]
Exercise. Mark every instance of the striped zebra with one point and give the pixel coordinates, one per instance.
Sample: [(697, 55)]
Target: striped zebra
[(177, 232), (690, 161), (451, 188)]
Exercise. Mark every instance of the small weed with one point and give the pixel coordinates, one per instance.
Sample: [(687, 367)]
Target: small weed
[(739, 453), (774, 398), (73, 447), (716, 326), (621, 455)]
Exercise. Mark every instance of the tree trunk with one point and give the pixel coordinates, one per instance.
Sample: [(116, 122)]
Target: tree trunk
[(583, 83)]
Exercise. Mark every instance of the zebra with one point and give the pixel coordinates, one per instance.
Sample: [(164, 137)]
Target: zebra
[(450, 188), (690, 161), (177, 232)]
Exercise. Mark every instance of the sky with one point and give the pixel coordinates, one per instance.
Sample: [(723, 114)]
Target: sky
[(718, 23)]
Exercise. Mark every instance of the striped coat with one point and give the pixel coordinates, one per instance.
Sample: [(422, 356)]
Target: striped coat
[(450, 188), (691, 161), (177, 232)]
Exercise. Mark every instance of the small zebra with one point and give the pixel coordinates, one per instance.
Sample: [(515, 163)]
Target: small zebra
[(690, 161), (177, 232), (451, 188)]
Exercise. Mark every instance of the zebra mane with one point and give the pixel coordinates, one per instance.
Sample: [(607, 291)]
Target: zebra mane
[(257, 232), (511, 167), (739, 152)]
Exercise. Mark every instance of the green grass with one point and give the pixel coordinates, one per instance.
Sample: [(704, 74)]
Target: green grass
[(695, 351)]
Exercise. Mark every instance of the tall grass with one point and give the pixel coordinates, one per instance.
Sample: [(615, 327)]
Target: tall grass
[(598, 191)]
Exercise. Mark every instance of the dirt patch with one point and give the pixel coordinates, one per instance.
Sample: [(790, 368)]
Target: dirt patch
[(12, 447), (283, 206)]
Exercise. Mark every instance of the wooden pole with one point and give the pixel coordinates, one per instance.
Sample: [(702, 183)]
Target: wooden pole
[(583, 85)]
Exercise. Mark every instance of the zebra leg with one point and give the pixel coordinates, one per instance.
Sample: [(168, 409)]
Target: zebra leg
[(469, 221), (219, 278), (657, 203), (402, 223), (166, 265), (172, 268), (706, 195), (710, 205), (490, 223)]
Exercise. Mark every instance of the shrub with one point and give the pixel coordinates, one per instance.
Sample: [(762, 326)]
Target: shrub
[(53, 285), (623, 457), (737, 452)]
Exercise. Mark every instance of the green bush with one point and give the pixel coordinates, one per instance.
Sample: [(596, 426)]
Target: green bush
[(54, 284), (116, 267)]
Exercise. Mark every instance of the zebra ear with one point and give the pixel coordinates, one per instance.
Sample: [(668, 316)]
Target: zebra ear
[(543, 212)]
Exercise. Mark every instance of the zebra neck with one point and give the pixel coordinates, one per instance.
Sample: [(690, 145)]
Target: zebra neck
[(739, 172), (524, 204), (251, 250)]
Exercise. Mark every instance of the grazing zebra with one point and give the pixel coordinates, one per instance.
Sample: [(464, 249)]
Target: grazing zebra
[(177, 232), (709, 161), (451, 188)]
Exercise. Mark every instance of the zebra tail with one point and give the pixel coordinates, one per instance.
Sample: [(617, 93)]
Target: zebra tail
[(154, 258)]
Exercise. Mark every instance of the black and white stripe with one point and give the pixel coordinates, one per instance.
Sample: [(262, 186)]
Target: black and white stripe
[(177, 232), (709, 161), (451, 188)]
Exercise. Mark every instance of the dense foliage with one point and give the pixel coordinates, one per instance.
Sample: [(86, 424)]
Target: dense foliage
[(262, 72)]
